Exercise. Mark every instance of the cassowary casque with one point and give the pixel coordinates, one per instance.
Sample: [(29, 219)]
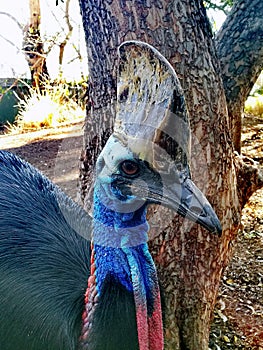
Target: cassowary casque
[(69, 281)]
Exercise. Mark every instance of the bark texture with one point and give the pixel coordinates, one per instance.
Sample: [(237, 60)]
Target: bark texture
[(190, 261), (240, 50)]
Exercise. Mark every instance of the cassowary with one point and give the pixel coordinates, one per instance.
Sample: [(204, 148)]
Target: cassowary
[(68, 281)]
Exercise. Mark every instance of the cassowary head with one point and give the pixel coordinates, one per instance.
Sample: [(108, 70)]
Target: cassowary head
[(146, 160)]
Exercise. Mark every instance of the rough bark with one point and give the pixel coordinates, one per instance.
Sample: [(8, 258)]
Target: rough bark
[(33, 47), (190, 261), (240, 50)]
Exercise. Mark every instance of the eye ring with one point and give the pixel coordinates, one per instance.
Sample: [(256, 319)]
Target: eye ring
[(129, 167)]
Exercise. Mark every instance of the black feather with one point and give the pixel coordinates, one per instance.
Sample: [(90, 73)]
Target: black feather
[(116, 323), (44, 268), (44, 261)]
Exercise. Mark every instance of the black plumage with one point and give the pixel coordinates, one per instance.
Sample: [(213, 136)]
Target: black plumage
[(44, 268), (44, 260)]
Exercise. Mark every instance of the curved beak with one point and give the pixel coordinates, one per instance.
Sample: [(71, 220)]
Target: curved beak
[(188, 201)]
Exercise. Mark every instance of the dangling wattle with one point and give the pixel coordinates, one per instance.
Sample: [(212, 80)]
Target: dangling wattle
[(130, 265), (147, 298)]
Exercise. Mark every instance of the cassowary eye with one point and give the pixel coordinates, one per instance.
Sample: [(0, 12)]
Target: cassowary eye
[(129, 167)]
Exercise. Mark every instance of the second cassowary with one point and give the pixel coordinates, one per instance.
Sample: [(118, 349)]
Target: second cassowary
[(71, 282)]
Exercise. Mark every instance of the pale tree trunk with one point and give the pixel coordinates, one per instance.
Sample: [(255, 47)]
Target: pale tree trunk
[(33, 47), (190, 261)]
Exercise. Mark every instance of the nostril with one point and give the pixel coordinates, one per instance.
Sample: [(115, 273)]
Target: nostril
[(196, 210)]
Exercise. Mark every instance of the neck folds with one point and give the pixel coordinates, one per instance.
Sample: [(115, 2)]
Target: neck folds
[(120, 255)]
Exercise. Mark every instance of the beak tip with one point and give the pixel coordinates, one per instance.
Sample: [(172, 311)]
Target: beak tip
[(211, 221), (217, 229)]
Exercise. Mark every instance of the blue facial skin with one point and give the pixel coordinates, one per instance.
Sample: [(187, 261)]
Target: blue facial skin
[(121, 250)]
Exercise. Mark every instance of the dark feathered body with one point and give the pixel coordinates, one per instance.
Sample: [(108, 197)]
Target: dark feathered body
[(44, 262), (44, 268)]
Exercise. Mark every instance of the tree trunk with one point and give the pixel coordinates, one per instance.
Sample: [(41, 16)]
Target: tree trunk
[(33, 47), (190, 261), (240, 50)]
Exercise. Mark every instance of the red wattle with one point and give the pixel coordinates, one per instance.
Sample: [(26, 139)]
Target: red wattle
[(150, 329)]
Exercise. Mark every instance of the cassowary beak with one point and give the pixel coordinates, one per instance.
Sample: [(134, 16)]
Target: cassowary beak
[(188, 201)]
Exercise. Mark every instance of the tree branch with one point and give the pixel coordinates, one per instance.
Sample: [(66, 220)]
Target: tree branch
[(240, 49), (13, 18), (249, 177), (10, 42), (222, 6), (68, 35)]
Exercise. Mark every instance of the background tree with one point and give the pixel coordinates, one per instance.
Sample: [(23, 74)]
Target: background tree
[(222, 5), (60, 47), (190, 261), (33, 47), (33, 44)]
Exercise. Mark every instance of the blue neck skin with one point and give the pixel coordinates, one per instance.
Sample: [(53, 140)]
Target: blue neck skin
[(120, 246), (117, 229)]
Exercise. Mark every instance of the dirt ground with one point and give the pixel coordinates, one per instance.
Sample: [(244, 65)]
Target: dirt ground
[(238, 316), (55, 152)]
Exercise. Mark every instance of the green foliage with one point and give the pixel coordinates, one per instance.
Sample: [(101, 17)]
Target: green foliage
[(11, 90), (258, 87), (259, 91), (221, 5), (8, 108)]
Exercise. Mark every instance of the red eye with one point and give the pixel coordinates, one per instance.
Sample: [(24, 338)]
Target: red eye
[(129, 167)]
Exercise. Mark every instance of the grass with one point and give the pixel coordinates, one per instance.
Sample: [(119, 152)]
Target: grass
[(53, 106), (254, 105)]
